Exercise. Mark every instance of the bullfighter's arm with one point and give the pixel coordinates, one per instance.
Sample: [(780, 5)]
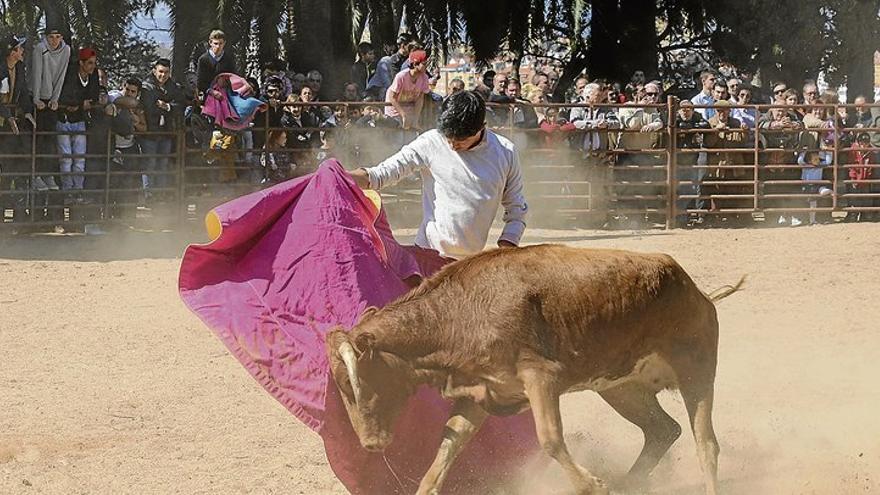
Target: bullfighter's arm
[(515, 207), (402, 164), (463, 423)]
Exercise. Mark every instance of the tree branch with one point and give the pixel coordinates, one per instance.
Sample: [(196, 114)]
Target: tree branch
[(693, 43)]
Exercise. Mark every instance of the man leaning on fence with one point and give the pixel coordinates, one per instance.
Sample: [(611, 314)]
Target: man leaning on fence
[(79, 94), (49, 66), (163, 102), (16, 125)]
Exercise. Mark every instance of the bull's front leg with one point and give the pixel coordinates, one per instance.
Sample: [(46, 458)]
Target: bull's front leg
[(463, 423), (544, 400)]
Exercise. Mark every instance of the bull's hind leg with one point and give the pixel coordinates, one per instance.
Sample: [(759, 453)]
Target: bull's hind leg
[(698, 396), (544, 401), (463, 423), (639, 405)]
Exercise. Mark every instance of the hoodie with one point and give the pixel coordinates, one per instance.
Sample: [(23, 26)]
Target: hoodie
[(49, 69)]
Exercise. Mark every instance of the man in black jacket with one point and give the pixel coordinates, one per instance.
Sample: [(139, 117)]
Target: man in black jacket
[(217, 60), (17, 119), (163, 101)]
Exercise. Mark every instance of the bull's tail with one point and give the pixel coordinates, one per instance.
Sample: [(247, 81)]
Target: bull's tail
[(726, 290)]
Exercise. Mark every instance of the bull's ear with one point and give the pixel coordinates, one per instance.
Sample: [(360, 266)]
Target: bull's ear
[(370, 311), (365, 343)]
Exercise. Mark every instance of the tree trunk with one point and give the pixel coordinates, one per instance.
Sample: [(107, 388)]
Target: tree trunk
[(323, 42), (604, 30), (860, 39), (638, 39)]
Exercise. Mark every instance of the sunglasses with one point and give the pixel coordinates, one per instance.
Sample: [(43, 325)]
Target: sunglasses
[(652, 94), (783, 90)]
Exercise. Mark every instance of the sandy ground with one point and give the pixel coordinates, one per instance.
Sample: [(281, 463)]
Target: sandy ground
[(109, 385)]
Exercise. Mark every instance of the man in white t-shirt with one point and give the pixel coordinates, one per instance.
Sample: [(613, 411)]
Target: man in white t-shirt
[(467, 172), (407, 92)]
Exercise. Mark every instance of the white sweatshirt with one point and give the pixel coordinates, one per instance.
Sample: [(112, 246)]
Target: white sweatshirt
[(48, 70), (461, 191)]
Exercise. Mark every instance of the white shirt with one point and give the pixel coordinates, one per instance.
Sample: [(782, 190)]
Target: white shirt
[(461, 191)]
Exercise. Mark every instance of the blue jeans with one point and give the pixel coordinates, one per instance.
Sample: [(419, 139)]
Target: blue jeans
[(157, 167), (71, 144)]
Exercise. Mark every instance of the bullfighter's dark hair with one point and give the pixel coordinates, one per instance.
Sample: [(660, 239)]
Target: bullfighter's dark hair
[(462, 115)]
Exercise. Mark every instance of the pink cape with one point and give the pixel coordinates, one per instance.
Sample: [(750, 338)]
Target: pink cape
[(297, 259)]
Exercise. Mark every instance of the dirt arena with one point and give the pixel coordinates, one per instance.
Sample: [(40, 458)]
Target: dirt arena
[(109, 385)]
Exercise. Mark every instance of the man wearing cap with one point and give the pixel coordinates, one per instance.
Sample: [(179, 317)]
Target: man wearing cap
[(48, 69), (467, 172), (385, 69), (407, 92), (79, 95), (16, 117)]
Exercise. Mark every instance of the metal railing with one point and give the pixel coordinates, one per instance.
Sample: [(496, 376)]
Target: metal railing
[(668, 173)]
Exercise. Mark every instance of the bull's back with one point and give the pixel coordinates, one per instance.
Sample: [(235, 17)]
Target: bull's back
[(599, 313)]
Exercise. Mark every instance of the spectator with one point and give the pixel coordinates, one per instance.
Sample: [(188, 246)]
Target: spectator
[(860, 177), (217, 60), (728, 134), (296, 118), (733, 85), (579, 84), (811, 95), (406, 93), (275, 161), (387, 69), (273, 96), (813, 161), (705, 96), (555, 128), (455, 86), (646, 120), (687, 119), (790, 98), (50, 66), (314, 80), (373, 116), (350, 92), (365, 66), (17, 119), (747, 116), (127, 117), (524, 114), (298, 81), (79, 94), (274, 72), (779, 137), (497, 116), (163, 103), (598, 120), (779, 94), (860, 116)]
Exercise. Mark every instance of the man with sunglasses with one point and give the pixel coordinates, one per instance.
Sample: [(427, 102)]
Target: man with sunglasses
[(467, 172), (647, 121)]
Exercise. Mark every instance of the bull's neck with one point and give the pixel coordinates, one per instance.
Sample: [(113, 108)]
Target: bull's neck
[(412, 331)]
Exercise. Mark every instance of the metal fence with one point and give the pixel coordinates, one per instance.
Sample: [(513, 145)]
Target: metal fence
[(583, 175)]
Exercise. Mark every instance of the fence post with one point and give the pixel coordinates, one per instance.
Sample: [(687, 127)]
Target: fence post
[(110, 146), (181, 178), (834, 198), (671, 163), (31, 194)]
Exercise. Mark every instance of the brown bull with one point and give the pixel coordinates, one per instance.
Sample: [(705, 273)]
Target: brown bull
[(510, 329)]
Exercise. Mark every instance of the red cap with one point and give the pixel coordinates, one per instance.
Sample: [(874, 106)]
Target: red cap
[(417, 57), (87, 53)]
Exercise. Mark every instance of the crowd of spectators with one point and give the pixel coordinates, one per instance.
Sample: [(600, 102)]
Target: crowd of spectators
[(611, 127)]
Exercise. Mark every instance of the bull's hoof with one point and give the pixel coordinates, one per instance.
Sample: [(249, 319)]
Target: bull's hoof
[(595, 486)]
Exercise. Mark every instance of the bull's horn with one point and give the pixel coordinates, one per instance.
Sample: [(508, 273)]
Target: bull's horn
[(350, 359)]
